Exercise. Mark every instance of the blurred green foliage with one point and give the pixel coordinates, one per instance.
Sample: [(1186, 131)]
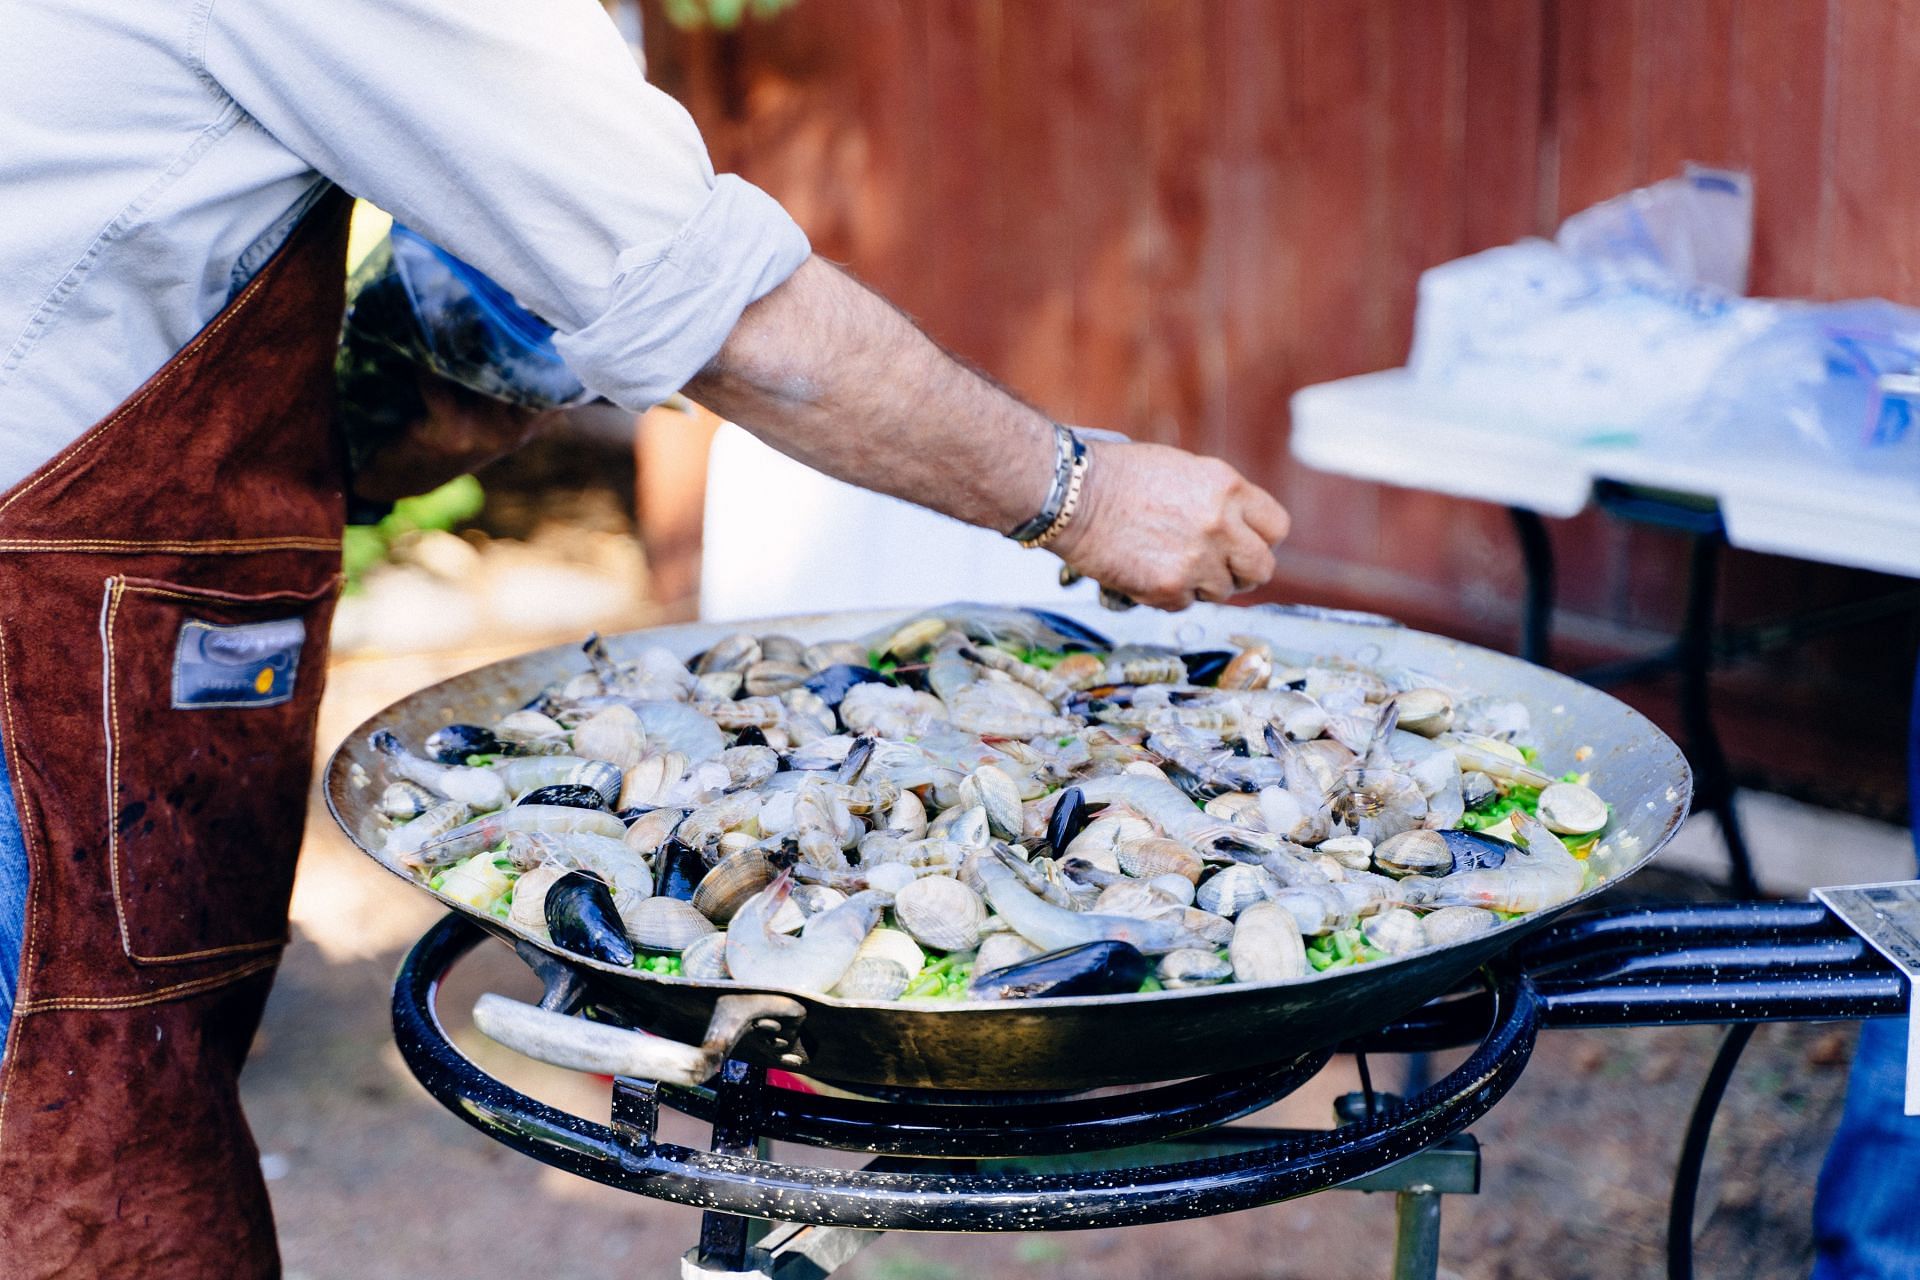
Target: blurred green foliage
[(366, 545), (721, 15)]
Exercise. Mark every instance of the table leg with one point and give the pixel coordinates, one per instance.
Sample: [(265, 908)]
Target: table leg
[(1713, 779), (1536, 554)]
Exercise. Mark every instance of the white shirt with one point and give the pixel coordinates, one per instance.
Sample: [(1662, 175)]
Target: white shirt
[(153, 153)]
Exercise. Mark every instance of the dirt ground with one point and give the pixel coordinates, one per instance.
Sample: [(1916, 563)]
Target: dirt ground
[(371, 1179)]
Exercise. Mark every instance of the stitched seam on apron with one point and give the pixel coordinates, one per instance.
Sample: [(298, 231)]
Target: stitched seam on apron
[(203, 547), (99, 434), (160, 995), (34, 880), (109, 610)]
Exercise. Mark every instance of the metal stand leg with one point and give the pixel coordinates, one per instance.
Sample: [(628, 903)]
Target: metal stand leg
[(1713, 779), (725, 1238), (1536, 553), (1416, 1240)]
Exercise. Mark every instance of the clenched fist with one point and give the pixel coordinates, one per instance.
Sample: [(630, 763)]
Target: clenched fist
[(1166, 527)]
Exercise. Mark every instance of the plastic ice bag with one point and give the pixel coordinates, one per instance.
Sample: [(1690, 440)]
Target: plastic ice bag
[(1616, 329), (413, 306), (1841, 379)]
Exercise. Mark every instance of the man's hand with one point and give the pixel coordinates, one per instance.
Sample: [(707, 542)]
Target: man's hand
[(1165, 527)]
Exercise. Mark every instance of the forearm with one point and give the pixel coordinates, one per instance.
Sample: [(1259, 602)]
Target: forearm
[(829, 373)]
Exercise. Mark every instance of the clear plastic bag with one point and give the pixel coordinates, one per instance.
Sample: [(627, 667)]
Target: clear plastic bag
[(1614, 330), (414, 306), (1839, 379)]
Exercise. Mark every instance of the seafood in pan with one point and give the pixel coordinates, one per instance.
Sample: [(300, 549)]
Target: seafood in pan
[(980, 803)]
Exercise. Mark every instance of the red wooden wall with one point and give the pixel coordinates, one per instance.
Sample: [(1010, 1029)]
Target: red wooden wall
[(1167, 215)]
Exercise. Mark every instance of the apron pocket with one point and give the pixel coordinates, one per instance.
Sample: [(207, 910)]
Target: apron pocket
[(210, 702)]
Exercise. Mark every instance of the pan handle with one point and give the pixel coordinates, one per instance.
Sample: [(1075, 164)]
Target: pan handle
[(772, 1021)]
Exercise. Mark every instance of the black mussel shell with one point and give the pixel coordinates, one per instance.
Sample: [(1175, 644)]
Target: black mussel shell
[(857, 756), (1205, 667), (633, 814), (832, 683), (677, 869), (751, 736), (1069, 819), (454, 743), (1477, 851), (582, 919), (1090, 969), (1075, 632), (574, 795)]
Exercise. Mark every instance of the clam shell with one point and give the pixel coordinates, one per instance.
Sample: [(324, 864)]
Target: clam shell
[(527, 726), (764, 678), (1192, 967), (737, 842), (941, 912), (1414, 853), (1103, 836), (995, 792), (529, 909), (732, 880), (719, 686), (908, 815), (915, 636), (1236, 807), (1425, 711), (1145, 769), (779, 647), (894, 945), (834, 653), (405, 800), (649, 831), (967, 826), (736, 652), (1569, 809), (1396, 931), (998, 950), (665, 924), (1232, 889), (1216, 930), (650, 777), (872, 978), (1355, 853), (1158, 856), (1476, 788), (1266, 945), (613, 735), (1448, 924), (750, 766), (705, 958)]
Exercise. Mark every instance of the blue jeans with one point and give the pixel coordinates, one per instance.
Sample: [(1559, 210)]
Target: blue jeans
[(1864, 1223), (13, 897)]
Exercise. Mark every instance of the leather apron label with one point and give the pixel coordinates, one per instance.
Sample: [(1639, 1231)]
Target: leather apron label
[(253, 665)]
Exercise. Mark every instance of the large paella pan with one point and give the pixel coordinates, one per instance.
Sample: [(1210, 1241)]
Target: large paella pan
[(1053, 1042)]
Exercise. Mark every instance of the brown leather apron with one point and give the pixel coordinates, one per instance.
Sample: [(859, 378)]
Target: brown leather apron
[(145, 572)]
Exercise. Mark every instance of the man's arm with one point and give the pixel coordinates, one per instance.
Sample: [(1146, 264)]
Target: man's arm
[(827, 372)]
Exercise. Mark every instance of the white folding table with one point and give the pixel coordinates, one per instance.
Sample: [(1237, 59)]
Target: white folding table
[(1390, 429)]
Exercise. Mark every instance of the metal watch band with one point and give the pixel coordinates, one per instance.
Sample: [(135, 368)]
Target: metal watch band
[(1066, 446), (1076, 478)]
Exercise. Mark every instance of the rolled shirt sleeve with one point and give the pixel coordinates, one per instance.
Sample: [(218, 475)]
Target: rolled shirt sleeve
[(520, 135)]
